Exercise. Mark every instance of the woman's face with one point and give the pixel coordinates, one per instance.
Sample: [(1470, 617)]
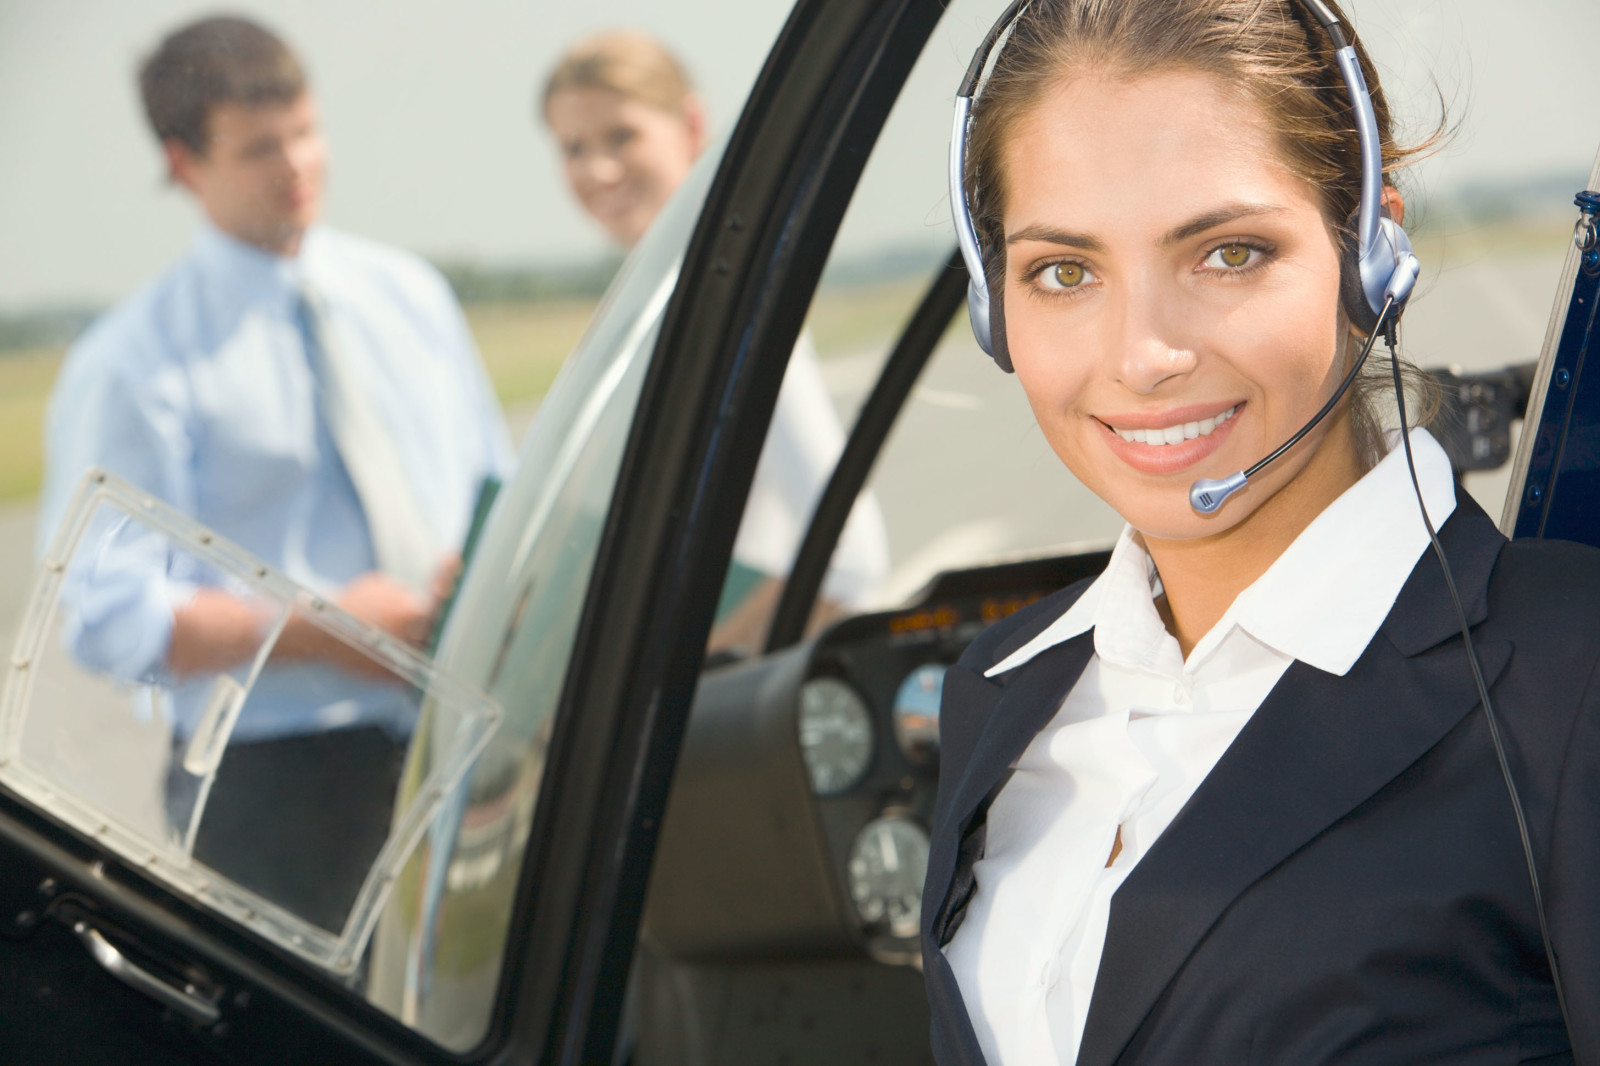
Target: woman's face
[(623, 158), (1172, 299)]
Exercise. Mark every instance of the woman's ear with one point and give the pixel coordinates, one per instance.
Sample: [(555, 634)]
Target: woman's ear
[(694, 116), (1394, 205)]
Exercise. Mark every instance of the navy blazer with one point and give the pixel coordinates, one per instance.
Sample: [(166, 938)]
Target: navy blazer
[(1348, 884)]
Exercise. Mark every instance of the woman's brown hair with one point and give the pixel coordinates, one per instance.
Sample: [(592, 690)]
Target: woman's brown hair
[(1270, 51)]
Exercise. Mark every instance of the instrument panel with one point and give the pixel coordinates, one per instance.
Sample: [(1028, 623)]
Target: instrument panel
[(874, 788), (797, 826)]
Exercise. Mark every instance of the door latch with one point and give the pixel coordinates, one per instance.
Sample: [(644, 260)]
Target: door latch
[(186, 1000)]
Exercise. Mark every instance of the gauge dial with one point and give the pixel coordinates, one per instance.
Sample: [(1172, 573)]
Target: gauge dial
[(887, 865), (835, 734), (916, 714)]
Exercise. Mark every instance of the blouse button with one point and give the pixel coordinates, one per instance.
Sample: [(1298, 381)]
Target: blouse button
[(1180, 694)]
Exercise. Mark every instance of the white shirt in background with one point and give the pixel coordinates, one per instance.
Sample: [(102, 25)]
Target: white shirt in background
[(802, 447)]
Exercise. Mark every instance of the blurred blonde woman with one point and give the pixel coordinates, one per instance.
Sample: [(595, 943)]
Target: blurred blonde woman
[(630, 127)]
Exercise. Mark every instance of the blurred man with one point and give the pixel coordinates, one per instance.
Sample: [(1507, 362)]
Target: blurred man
[(315, 398)]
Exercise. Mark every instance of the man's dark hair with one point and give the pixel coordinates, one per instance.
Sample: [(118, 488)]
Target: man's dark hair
[(219, 60)]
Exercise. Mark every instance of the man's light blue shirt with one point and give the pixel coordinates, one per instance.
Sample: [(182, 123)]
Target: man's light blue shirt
[(201, 389)]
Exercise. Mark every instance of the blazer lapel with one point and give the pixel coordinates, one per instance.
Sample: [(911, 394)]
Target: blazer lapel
[(1020, 711), (1318, 746), (1025, 707)]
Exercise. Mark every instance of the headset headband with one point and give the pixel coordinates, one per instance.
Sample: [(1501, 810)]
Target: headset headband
[(1380, 244)]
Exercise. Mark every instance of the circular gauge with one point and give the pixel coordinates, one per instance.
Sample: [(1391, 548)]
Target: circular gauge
[(887, 865), (916, 713), (835, 734)]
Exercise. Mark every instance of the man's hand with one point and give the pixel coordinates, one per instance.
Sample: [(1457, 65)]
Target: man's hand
[(381, 601), (214, 631), (445, 578), (376, 599)]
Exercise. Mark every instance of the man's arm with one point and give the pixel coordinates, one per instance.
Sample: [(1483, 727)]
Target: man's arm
[(216, 631), (121, 402), (213, 632)]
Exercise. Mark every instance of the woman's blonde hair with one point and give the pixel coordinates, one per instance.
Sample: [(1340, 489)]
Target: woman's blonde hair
[(1271, 52), (632, 64)]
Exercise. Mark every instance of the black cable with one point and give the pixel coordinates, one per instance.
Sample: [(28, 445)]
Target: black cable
[(1338, 394), (1483, 689)]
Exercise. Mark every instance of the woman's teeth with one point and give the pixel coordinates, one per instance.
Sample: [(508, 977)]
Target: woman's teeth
[(1176, 434)]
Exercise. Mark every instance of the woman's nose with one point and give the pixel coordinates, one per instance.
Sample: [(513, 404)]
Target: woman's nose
[(601, 168), (1145, 349), (1149, 362)]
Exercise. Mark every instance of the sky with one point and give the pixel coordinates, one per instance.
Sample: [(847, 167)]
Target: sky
[(435, 145)]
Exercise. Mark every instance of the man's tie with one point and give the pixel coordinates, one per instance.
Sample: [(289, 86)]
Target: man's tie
[(400, 536)]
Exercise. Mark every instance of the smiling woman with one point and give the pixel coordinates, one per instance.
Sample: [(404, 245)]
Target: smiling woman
[(630, 127), (1200, 809)]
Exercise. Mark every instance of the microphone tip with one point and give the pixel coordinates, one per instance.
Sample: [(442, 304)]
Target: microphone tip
[(1208, 494)]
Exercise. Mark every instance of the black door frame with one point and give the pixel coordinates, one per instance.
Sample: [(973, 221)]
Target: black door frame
[(764, 235)]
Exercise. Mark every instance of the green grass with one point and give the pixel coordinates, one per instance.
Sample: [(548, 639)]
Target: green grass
[(1441, 242), (25, 379), (845, 321), (523, 346)]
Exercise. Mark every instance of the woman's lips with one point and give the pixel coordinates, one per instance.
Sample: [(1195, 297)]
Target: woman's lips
[(615, 202), (1163, 458)]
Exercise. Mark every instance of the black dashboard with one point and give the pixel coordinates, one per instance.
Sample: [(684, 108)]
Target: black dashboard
[(797, 825)]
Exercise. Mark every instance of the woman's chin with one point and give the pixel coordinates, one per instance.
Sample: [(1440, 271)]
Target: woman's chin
[(1165, 513)]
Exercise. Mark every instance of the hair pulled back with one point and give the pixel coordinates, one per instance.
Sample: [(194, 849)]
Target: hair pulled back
[(1270, 52), (632, 64)]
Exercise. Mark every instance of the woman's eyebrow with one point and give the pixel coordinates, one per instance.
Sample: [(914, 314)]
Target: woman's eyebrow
[(1050, 235), (1230, 212), (1218, 216)]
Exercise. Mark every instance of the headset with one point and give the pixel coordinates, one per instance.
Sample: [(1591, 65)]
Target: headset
[(1378, 268), (1378, 271)]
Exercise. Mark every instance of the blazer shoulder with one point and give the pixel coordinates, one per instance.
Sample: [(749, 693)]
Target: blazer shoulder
[(1016, 629), (1546, 585)]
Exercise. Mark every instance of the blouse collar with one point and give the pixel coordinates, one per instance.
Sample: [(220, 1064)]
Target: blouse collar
[(1348, 565)]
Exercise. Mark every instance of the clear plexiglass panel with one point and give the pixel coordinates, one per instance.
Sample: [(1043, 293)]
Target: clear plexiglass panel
[(437, 955), (95, 670)]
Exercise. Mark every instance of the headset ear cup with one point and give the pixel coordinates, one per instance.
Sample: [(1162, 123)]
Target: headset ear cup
[(1353, 297), (997, 315)]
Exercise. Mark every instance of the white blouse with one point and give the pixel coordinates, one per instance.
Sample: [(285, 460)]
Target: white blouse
[(1141, 730)]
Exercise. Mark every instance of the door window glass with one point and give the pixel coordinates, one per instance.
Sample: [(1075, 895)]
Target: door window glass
[(437, 954), (98, 665), (443, 178), (965, 475)]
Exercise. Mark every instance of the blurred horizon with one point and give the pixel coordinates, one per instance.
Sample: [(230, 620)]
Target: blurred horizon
[(436, 146), (1511, 207)]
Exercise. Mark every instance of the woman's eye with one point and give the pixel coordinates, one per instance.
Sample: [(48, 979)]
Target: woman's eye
[(1064, 276), (1232, 256)]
